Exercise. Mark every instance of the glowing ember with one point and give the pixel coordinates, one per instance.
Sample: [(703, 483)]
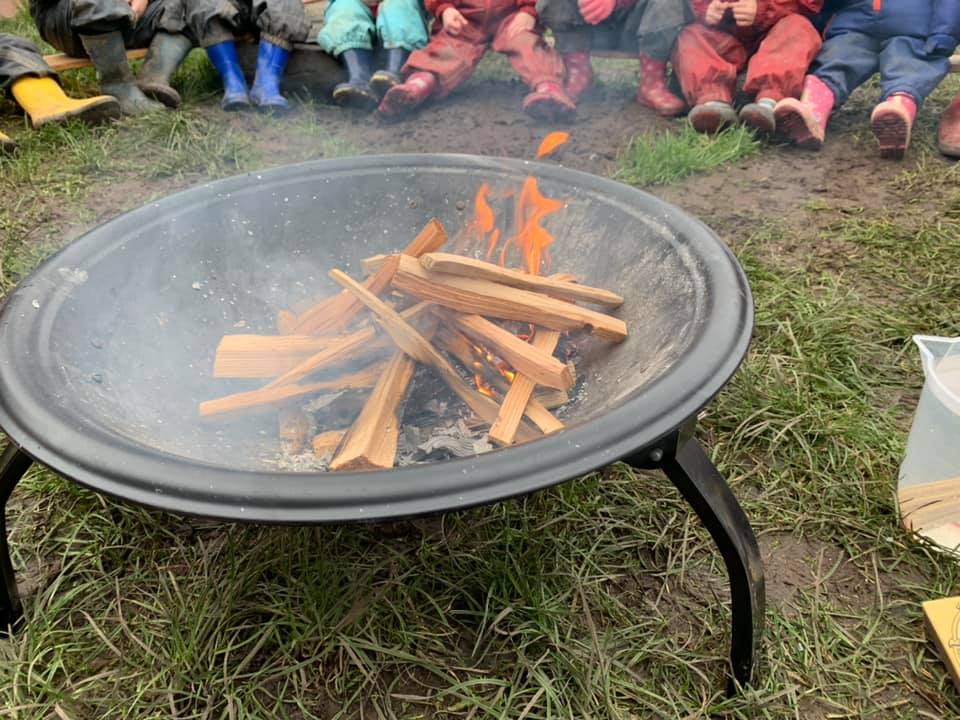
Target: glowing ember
[(551, 142)]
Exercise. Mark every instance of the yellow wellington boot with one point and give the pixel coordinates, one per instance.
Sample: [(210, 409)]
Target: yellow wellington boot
[(6, 143), (45, 102)]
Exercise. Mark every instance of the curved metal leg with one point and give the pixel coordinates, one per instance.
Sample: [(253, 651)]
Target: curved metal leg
[(701, 484), (13, 465)]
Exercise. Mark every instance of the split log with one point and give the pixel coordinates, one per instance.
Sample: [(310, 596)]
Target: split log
[(336, 312), (551, 399), (372, 441), (326, 443), (518, 398), (420, 349), (286, 322), (431, 238), (483, 297), (349, 347), (535, 362), (253, 401), (480, 270), (265, 356)]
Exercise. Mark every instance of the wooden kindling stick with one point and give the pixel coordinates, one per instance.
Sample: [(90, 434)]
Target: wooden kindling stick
[(478, 269), (519, 398), (348, 347), (267, 356), (420, 349), (541, 367), (491, 299), (372, 441), (266, 398), (326, 443), (337, 311)]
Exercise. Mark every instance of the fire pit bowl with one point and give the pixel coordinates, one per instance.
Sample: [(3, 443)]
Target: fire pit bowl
[(106, 349)]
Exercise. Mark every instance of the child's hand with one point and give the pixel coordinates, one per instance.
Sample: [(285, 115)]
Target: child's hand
[(139, 7), (596, 11), (453, 21), (522, 22), (745, 12), (715, 12)]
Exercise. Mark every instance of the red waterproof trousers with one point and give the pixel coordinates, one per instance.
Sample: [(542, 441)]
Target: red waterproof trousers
[(708, 60), (453, 58)]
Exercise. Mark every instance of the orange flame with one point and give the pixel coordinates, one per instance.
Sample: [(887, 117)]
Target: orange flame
[(532, 238), (551, 142)]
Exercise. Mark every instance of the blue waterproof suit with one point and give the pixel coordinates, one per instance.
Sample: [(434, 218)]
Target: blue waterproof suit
[(908, 41)]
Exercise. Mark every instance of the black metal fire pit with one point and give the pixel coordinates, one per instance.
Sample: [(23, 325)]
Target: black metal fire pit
[(106, 350)]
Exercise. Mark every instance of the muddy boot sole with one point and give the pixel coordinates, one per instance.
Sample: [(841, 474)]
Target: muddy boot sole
[(161, 93), (759, 118), (796, 126), (711, 118), (381, 82), (892, 131), (355, 98)]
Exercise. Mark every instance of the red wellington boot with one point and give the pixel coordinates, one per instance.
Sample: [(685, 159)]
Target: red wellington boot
[(405, 97), (579, 74), (549, 103), (949, 136), (653, 92)]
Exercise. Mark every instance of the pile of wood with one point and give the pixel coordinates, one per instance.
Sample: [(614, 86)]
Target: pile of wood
[(420, 306)]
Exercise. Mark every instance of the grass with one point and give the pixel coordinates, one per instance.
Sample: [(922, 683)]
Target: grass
[(667, 157), (602, 598)]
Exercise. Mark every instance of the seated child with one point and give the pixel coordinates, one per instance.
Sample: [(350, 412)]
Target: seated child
[(774, 40), (103, 30), (650, 25), (278, 23), (349, 32), (34, 86), (908, 41), (462, 35)]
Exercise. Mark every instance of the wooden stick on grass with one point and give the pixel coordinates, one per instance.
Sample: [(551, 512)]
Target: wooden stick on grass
[(420, 349)]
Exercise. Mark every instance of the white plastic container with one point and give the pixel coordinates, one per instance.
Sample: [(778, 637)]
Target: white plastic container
[(929, 487)]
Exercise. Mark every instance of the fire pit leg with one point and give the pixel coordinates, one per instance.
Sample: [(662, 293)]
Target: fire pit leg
[(13, 465), (698, 480)]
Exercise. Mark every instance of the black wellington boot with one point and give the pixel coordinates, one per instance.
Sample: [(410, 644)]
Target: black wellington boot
[(355, 92), (109, 57), (166, 53), (387, 77)]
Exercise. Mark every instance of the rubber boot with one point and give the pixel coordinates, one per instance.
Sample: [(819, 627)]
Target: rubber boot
[(167, 51), (45, 102), (579, 74), (355, 92), (386, 77), (402, 99), (224, 58), (271, 63), (712, 116), (948, 137), (760, 117), (7, 144), (549, 103), (803, 122), (892, 124), (109, 57), (653, 92)]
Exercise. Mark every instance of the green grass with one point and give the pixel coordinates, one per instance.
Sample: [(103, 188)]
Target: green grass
[(667, 157), (602, 598)]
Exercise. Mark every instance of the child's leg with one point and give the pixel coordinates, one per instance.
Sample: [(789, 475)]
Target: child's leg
[(347, 25), (451, 59), (907, 75), (402, 28), (657, 32), (846, 61), (537, 64), (778, 67), (707, 62), (573, 39)]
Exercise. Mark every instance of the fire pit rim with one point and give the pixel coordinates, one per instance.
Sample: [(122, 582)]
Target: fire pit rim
[(93, 457)]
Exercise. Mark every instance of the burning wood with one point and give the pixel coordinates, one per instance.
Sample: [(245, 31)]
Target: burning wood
[(470, 300)]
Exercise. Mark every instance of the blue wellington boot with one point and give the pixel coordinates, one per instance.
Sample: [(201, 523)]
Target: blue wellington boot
[(271, 63), (224, 58)]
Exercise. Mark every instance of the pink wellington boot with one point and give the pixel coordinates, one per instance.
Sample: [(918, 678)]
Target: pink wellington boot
[(579, 74), (803, 122), (892, 124), (549, 103), (948, 136), (653, 92), (404, 98)]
